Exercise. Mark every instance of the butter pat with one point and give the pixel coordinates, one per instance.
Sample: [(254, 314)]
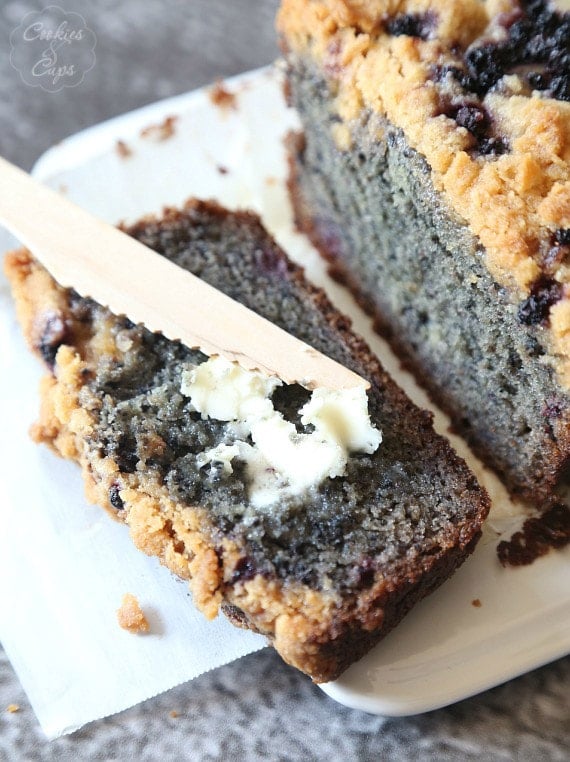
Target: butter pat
[(222, 390), (342, 416), (279, 460)]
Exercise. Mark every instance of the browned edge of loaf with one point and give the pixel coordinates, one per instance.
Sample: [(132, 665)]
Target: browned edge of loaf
[(326, 648), (337, 654), (329, 247)]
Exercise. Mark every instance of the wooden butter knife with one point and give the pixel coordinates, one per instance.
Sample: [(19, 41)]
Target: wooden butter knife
[(99, 261)]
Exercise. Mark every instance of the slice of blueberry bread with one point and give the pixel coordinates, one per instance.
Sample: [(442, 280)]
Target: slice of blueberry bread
[(324, 570), (434, 174)]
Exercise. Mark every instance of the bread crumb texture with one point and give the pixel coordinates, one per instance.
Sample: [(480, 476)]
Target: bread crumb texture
[(497, 138), (130, 616)]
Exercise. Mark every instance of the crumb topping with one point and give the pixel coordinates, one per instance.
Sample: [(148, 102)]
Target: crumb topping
[(222, 97), (160, 132), (130, 616), (123, 150), (482, 90), (539, 535)]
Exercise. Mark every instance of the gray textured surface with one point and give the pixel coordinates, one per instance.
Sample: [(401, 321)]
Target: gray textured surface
[(256, 708)]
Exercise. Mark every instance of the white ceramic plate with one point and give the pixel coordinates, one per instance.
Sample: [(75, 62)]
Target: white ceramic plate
[(447, 648)]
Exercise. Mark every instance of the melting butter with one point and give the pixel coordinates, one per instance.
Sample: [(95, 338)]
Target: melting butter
[(280, 461)]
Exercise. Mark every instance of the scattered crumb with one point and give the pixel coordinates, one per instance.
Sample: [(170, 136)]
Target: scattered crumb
[(160, 132), (222, 97), (173, 714), (287, 93), (477, 603), (271, 180), (12, 708), (63, 188), (222, 170), (123, 149), (130, 616), (539, 534)]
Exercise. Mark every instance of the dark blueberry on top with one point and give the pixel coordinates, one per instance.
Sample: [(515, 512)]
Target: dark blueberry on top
[(473, 118), (560, 88), (412, 24), (544, 293), (485, 65), (440, 73), (537, 43), (563, 236), (477, 121), (244, 569), (537, 80), (493, 146)]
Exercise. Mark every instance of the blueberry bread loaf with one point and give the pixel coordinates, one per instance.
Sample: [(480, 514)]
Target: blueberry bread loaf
[(323, 571), (434, 174)]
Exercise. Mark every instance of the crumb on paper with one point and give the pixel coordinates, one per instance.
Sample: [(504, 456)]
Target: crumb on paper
[(160, 132), (174, 714), (271, 180), (123, 149), (477, 603), (221, 96), (13, 708), (222, 170), (63, 188), (549, 530), (130, 615)]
